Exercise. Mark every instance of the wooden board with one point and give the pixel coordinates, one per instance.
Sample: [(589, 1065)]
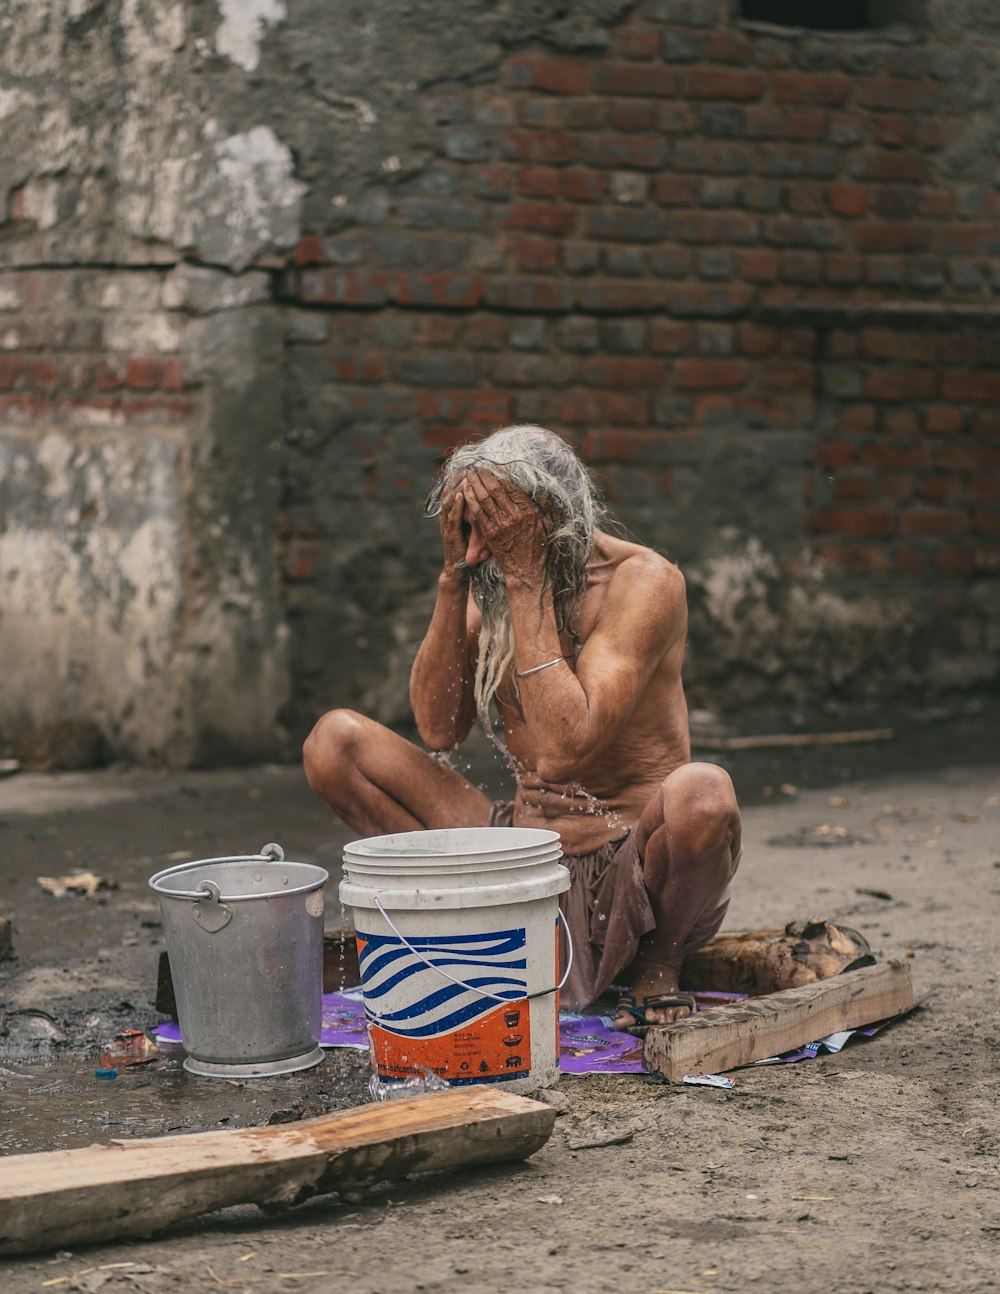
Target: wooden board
[(63, 1198), (727, 1037), (6, 939)]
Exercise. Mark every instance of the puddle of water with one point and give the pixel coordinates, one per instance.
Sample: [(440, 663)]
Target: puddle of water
[(56, 1101)]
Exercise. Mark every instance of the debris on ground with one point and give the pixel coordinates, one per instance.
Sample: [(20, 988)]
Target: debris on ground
[(85, 883)]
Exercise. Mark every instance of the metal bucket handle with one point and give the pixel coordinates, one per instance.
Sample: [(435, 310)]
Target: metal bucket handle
[(209, 910), (471, 987)]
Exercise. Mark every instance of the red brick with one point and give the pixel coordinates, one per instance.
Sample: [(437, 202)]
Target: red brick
[(42, 374), (901, 421), (337, 287), (938, 204), (955, 561), (626, 78), (984, 490), (861, 523), (893, 132), (970, 386), (786, 377), (986, 523), (729, 47), (538, 181), (359, 367), (842, 267), (883, 456), (759, 265), (895, 96), (716, 227), (985, 422), (713, 410), (753, 339), (958, 457), (581, 408), (724, 83), (143, 372), (619, 371), (897, 488), (940, 489), (834, 454), (550, 75), (669, 338), (583, 186), (11, 368), (830, 90), (552, 146), (856, 419), (608, 446), (309, 251), (628, 152), (110, 373), (621, 296), (887, 165), (150, 411), (845, 199), (710, 374), (900, 384), (632, 114), (447, 291), (890, 236), (627, 410), (935, 522), (842, 344), (542, 217), (942, 419), (533, 255), (911, 561), (852, 489), (870, 560), (637, 42), (675, 190), (172, 375)]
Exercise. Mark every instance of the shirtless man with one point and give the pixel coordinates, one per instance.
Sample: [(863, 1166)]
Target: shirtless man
[(576, 638)]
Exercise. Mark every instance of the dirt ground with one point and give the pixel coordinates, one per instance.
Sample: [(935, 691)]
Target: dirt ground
[(874, 1169)]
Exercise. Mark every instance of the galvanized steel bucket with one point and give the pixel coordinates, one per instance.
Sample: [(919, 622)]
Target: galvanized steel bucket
[(244, 937)]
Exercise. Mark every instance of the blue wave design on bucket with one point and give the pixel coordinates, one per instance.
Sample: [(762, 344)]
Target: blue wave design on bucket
[(423, 1003)]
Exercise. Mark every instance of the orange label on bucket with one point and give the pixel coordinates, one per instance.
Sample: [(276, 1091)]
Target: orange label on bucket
[(440, 1002), (495, 1048)]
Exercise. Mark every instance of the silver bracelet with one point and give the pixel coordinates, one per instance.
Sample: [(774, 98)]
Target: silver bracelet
[(522, 673)]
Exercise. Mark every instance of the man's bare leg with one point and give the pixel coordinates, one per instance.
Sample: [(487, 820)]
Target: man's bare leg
[(689, 841), (378, 782)]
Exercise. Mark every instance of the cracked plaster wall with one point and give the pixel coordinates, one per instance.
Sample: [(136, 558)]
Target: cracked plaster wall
[(161, 165)]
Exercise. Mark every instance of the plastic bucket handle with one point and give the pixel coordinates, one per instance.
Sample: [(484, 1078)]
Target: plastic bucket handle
[(461, 983)]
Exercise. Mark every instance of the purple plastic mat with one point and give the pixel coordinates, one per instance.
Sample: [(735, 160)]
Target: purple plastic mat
[(587, 1043)]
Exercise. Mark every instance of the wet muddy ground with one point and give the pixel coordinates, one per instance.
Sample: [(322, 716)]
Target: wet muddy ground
[(873, 1169)]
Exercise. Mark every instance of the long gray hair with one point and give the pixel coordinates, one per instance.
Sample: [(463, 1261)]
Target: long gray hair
[(548, 471)]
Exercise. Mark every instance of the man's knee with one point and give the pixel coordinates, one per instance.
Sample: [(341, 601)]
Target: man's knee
[(334, 738), (699, 803)]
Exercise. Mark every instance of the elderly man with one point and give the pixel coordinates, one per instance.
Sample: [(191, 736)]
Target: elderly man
[(575, 638)]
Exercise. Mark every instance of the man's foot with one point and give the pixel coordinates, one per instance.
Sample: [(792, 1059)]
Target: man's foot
[(636, 1015)]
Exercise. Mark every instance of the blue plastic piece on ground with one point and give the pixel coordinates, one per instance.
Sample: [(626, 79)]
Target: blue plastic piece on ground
[(105, 1073)]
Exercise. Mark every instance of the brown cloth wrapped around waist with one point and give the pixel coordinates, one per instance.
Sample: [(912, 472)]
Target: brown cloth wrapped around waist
[(607, 910)]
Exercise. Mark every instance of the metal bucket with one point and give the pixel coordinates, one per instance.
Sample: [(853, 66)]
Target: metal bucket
[(244, 937)]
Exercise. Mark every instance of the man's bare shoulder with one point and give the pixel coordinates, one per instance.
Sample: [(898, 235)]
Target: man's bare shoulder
[(633, 565)]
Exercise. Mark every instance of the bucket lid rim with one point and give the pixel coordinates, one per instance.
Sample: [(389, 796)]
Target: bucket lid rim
[(383, 846)]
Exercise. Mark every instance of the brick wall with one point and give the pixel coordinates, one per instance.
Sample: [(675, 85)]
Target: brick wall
[(702, 242)]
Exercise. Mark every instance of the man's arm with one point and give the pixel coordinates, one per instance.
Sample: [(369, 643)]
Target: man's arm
[(571, 716), (441, 680)]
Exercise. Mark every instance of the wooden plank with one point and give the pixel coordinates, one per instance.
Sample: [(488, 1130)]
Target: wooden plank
[(6, 939), (727, 1037), (63, 1198), (791, 739)]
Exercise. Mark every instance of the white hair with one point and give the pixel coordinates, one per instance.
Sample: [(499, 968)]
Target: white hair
[(545, 468)]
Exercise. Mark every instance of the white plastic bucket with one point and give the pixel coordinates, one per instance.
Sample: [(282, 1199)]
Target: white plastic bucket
[(458, 947)]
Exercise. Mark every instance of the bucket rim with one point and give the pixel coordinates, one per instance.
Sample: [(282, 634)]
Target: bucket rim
[(180, 868), (388, 846)]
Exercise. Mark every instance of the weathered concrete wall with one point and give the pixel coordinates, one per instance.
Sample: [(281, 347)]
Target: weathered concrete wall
[(263, 261)]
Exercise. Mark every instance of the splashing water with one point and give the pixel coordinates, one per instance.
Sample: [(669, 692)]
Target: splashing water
[(418, 1084)]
